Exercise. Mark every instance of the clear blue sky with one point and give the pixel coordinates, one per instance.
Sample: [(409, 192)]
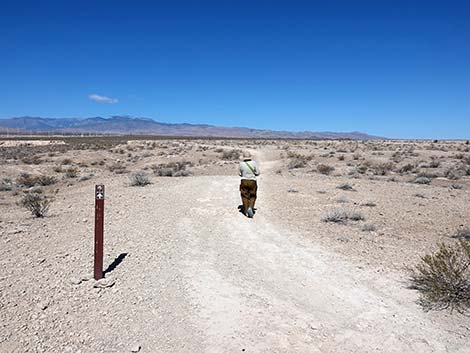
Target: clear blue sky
[(391, 68)]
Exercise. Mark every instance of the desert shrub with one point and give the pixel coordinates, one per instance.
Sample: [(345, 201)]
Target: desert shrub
[(66, 161), (443, 278), (422, 180), (342, 199), (36, 203), (356, 156), (362, 169), (231, 155), (58, 169), (341, 157), (462, 234), (173, 169), (435, 163), (382, 168), (28, 180), (325, 169), (6, 185), (454, 173), (86, 177), (117, 168), (406, 168), (356, 216), (369, 228), (45, 180), (345, 187), (139, 179), (336, 216), (71, 173), (296, 163), (32, 160), (342, 216), (369, 204)]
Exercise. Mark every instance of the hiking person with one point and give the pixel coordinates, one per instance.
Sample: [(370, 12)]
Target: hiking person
[(248, 171)]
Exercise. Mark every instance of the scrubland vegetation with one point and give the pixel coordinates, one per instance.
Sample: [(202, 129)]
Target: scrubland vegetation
[(317, 177)]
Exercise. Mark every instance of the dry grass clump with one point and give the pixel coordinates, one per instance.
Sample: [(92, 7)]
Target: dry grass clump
[(325, 169), (29, 180), (36, 203), (342, 216), (231, 155), (140, 179), (173, 169), (443, 278)]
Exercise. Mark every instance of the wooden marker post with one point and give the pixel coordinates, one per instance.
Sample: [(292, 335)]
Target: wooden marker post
[(99, 228)]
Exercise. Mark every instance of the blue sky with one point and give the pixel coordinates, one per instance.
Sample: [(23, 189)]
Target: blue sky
[(390, 68)]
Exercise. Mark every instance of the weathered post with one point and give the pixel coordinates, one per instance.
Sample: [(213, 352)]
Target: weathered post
[(99, 227)]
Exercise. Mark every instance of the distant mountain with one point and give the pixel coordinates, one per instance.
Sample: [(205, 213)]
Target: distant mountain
[(121, 125)]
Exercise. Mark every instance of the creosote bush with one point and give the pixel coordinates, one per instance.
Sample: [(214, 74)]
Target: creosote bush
[(443, 278), (140, 179), (36, 203)]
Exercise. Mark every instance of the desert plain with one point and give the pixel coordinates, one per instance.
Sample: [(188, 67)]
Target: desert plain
[(322, 267)]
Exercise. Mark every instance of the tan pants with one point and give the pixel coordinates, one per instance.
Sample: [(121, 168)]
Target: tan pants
[(248, 190)]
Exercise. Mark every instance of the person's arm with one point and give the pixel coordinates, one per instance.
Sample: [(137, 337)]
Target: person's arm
[(257, 171), (240, 169)]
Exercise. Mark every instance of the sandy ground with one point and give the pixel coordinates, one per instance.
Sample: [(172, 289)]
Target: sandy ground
[(197, 276)]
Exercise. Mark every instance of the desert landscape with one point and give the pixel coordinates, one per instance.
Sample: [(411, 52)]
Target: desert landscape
[(324, 266)]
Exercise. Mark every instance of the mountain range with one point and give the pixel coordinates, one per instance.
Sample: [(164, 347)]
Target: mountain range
[(125, 125)]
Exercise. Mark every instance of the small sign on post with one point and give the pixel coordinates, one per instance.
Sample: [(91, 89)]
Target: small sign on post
[(99, 230)]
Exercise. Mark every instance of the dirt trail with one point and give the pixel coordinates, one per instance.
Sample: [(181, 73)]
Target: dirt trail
[(201, 277), (265, 290)]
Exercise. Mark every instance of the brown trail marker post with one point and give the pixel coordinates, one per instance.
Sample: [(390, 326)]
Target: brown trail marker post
[(99, 227)]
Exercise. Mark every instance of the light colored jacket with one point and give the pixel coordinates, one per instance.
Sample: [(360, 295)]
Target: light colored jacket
[(246, 172)]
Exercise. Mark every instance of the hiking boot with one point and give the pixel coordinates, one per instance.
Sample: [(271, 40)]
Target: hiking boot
[(249, 213)]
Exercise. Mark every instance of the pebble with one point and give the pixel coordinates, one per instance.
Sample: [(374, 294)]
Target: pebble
[(135, 348), (104, 283)]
